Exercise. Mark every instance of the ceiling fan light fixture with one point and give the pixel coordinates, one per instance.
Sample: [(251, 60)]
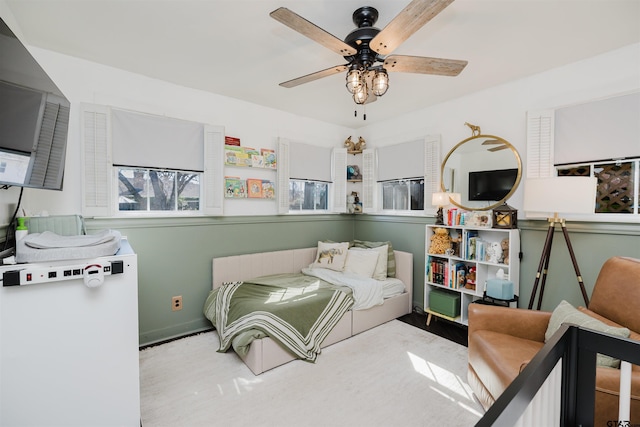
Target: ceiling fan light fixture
[(355, 80), (380, 82), (360, 96)]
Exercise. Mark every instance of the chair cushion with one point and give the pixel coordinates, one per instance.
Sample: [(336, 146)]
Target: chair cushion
[(566, 313)]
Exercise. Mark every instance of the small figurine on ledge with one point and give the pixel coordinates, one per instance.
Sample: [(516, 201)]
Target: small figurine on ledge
[(355, 147), (353, 173)]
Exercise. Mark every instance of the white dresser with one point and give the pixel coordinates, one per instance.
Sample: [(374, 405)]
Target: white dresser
[(69, 352)]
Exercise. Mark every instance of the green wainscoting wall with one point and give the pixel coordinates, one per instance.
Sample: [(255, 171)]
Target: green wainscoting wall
[(174, 258), (174, 255), (593, 243)]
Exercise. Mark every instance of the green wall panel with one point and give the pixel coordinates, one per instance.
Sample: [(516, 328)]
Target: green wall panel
[(174, 258), (406, 234), (174, 255), (593, 244)]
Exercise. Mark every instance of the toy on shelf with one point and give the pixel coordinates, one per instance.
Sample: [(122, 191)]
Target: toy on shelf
[(504, 244), (440, 241), (471, 279)]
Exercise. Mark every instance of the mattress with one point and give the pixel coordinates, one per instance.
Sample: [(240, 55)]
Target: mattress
[(49, 246)]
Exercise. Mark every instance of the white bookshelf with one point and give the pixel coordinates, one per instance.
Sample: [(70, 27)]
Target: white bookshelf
[(440, 269)]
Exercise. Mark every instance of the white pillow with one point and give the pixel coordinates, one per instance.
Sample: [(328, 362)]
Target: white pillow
[(380, 273), (331, 255), (362, 263)]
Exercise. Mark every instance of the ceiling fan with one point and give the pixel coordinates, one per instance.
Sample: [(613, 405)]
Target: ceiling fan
[(368, 49)]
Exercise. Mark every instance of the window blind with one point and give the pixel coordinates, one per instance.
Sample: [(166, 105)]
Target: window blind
[(600, 130), (310, 162), (146, 140), (405, 160)]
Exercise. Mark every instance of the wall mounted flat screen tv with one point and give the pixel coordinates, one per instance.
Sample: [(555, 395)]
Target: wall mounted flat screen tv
[(491, 185), (34, 119)]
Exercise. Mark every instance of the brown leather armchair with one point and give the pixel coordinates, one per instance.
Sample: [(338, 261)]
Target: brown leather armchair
[(503, 340)]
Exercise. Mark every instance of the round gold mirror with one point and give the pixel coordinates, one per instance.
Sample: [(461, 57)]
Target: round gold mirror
[(484, 169)]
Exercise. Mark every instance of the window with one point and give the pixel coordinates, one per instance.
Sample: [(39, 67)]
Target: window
[(398, 178), (618, 189), (403, 194), (150, 164), (308, 195), (153, 190)]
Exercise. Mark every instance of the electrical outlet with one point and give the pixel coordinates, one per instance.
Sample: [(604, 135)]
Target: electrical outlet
[(176, 303)]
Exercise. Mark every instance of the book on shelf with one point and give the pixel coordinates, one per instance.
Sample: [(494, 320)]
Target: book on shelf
[(231, 140), (460, 275), (269, 157), (268, 190), (232, 154), (254, 188), (470, 246), (438, 271), (257, 161), (234, 187)]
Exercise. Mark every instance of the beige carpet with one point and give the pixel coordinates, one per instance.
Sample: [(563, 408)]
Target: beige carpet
[(392, 375)]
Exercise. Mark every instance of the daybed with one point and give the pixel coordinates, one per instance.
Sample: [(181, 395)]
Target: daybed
[(265, 353)]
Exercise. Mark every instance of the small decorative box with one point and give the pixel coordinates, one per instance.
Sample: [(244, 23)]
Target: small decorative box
[(500, 289)]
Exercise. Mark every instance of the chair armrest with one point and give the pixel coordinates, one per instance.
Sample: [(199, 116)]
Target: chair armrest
[(527, 324)]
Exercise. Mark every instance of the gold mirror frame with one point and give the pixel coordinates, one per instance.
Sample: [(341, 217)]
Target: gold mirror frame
[(498, 140)]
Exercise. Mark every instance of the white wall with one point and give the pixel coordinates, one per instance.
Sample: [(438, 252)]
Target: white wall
[(87, 82), (501, 110)]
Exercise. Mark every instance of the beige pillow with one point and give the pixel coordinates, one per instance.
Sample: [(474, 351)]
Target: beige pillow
[(391, 260), (380, 272), (331, 255), (566, 313), (361, 263)]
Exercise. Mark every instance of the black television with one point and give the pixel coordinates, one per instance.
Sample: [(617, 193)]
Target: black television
[(34, 119), (491, 185)]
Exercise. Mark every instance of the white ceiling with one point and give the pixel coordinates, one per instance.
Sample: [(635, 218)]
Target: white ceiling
[(233, 47)]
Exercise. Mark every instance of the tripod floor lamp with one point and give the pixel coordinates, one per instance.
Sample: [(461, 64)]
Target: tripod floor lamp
[(559, 195)]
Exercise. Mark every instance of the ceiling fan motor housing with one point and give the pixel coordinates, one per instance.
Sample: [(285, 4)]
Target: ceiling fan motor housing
[(359, 38)]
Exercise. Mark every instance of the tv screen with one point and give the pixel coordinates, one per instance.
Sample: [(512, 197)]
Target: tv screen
[(492, 185), (34, 119)]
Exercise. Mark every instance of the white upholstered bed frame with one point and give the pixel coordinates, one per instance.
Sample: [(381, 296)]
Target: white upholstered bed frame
[(265, 354)]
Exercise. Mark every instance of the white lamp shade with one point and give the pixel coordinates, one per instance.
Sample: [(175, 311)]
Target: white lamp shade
[(567, 195), (440, 199)]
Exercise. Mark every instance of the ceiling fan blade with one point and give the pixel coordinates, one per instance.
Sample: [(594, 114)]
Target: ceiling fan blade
[(314, 76), (312, 31), (498, 148), (424, 65), (408, 21), (492, 142)]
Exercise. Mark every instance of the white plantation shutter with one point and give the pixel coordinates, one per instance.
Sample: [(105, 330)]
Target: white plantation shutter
[(540, 140), (339, 179), (97, 197), (283, 176), (369, 184), (432, 162), (213, 170)]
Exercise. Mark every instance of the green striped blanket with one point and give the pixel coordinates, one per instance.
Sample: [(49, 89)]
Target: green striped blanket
[(295, 310)]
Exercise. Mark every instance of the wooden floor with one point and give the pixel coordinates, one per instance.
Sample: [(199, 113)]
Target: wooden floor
[(452, 331)]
